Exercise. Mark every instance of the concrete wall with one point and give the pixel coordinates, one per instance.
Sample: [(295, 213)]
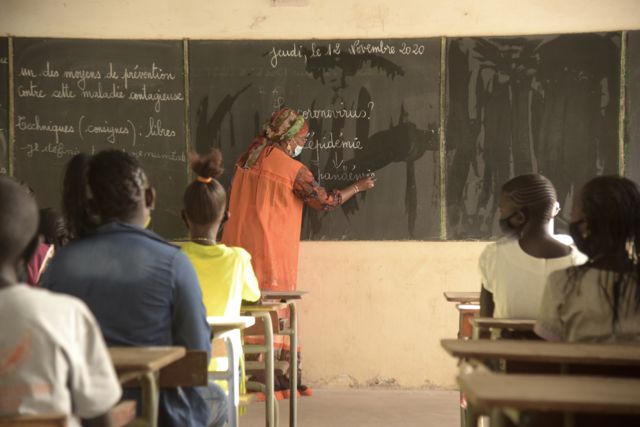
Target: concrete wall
[(375, 309)]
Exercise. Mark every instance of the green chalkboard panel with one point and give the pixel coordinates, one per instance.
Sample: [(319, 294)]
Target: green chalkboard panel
[(372, 106), (546, 104), (89, 95)]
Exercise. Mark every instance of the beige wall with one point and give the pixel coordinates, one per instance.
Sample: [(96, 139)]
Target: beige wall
[(375, 309)]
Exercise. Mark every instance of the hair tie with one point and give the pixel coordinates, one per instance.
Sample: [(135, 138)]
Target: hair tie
[(204, 180)]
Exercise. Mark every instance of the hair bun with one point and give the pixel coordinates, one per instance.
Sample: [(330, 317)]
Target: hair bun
[(207, 166)]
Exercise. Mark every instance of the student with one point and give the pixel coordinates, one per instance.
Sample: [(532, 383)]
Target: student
[(600, 300), (53, 235), (515, 269), (52, 355), (225, 273), (142, 290)]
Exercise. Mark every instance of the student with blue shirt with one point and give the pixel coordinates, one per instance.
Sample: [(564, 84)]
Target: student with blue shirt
[(142, 290)]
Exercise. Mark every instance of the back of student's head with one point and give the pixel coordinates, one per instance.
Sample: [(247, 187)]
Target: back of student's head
[(611, 208), (18, 220), (205, 199), (105, 187), (116, 184), (534, 194), (52, 227)]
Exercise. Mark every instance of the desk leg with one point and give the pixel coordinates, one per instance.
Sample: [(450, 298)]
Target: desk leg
[(150, 398), (234, 384), (293, 366), (270, 401)]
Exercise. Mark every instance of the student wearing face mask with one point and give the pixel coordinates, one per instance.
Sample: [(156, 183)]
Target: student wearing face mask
[(599, 300), (515, 269)]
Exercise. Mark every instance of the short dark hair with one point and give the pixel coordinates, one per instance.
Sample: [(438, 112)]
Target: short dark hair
[(533, 192), (18, 219), (52, 227)]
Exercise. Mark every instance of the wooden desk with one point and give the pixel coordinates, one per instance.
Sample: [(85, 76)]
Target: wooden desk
[(626, 355), (282, 295), (223, 324), (467, 312), (221, 327), (497, 325), (144, 364), (463, 297), (546, 393)]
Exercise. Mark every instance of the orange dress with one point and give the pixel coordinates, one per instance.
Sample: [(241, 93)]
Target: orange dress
[(266, 217)]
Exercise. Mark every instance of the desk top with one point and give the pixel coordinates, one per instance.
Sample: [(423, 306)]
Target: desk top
[(262, 307), (553, 393), (468, 297), (222, 324), (512, 324), (144, 359), (282, 295), (546, 352)]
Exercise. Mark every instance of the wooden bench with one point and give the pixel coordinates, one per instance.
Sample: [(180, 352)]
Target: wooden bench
[(509, 396)]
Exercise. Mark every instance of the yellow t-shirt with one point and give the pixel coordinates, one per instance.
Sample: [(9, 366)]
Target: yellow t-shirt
[(226, 278), (225, 275)]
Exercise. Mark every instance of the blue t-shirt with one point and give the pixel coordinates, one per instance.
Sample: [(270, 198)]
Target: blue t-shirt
[(143, 292)]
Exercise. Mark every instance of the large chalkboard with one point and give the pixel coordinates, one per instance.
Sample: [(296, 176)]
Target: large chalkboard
[(372, 105), (632, 101), (546, 104), (4, 105), (89, 95)]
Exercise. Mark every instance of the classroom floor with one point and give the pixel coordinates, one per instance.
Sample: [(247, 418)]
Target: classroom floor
[(370, 408)]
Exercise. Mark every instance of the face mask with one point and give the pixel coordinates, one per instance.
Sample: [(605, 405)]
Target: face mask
[(297, 151), (581, 241), (506, 227)]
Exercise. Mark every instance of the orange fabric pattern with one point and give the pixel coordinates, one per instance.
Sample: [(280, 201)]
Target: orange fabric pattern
[(266, 217)]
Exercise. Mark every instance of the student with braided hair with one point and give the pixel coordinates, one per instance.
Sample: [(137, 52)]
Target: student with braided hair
[(142, 290), (515, 269), (599, 300), (225, 273)]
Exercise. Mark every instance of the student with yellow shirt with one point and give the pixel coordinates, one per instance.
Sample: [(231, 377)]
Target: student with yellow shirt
[(225, 273)]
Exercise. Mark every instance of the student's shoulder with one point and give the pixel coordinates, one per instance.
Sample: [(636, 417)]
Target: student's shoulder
[(241, 253), (501, 245), (43, 303)]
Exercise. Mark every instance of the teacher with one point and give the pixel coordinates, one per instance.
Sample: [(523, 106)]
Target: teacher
[(268, 191)]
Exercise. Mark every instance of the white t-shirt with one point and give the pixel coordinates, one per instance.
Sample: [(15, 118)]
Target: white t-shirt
[(516, 279), (52, 356)]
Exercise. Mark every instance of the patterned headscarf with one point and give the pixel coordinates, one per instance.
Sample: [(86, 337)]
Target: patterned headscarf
[(284, 125)]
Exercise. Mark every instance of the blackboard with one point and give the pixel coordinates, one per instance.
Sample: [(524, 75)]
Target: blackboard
[(88, 95), (372, 105), (546, 104), (632, 102), (4, 105)]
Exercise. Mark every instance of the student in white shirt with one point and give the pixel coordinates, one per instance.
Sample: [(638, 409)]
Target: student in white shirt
[(515, 269), (52, 355)]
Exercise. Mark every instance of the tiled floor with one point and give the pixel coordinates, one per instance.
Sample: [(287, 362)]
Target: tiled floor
[(370, 408)]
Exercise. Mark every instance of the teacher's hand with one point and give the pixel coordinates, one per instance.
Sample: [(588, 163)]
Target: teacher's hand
[(365, 184)]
